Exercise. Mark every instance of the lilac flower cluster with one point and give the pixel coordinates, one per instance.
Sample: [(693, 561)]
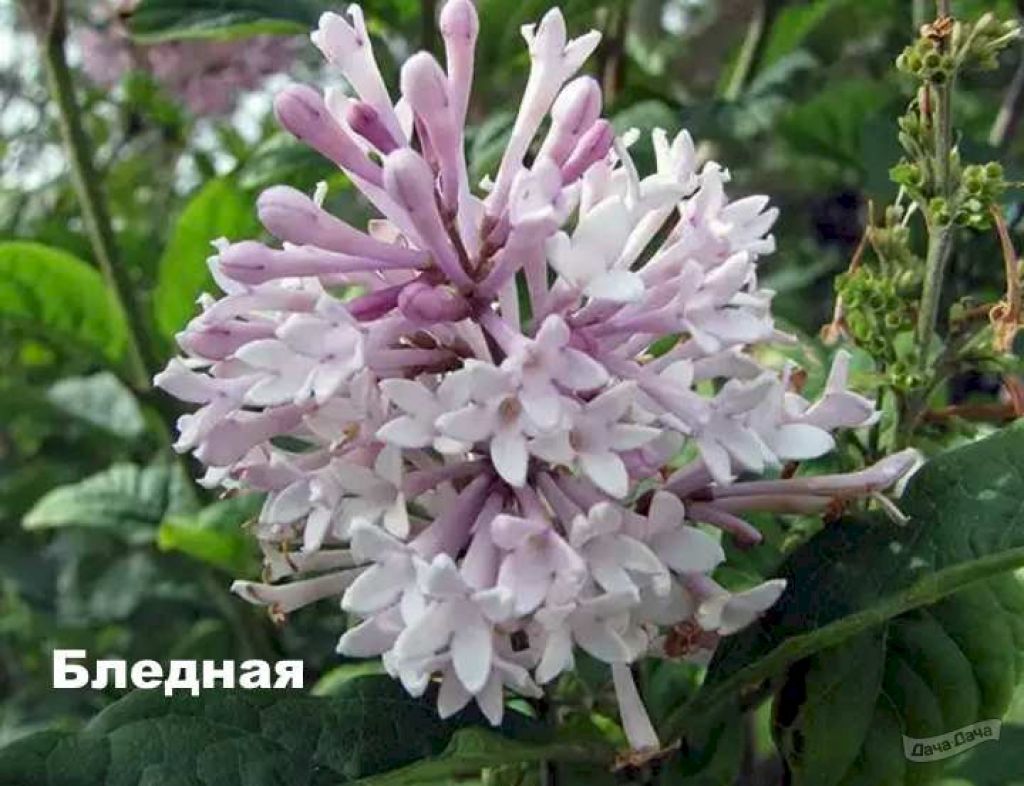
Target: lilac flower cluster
[(207, 76), (456, 415)]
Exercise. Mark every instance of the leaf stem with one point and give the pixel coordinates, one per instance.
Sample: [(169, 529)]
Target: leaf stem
[(748, 53), (51, 30)]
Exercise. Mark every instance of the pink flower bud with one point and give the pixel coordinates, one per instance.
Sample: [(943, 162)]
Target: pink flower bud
[(218, 340), (374, 305), (593, 147), (575, 110), (459, 22), (460, 27), (293, 217), (365, 121), (250, 262), (302, 111), (409, 180), (428, 305), (425, 87)]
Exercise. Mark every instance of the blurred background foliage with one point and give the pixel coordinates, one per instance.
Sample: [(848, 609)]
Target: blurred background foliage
[(104, 543)]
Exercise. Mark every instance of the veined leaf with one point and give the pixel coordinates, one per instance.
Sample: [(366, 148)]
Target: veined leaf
[(966, 524), (168, 20), (125, 500), (841, 715), (101, 401), (60, 297), (219, 209), (257, 738)]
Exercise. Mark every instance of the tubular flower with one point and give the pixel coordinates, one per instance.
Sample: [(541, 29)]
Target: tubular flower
[(486, 486)]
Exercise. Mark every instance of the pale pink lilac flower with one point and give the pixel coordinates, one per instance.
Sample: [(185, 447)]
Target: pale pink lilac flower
[(489, 493), (207, 76)]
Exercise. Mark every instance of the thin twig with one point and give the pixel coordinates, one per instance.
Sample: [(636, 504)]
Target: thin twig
[(997, 413), (51, 29), (1008, 120), (749, 54)]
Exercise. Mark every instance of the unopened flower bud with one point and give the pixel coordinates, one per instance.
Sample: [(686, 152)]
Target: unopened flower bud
[(428, 305), (365, 121), (425, 87), (593, 147), (409, 180), (575, 110), (218, 340), (302, 111), (293, 217)]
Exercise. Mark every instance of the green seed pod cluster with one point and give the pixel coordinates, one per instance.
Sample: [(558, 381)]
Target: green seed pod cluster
[(923, 59), (903, 375), (874, 310), (980, 186), (987, 38)]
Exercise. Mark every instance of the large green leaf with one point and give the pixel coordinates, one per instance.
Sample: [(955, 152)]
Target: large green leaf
[(219, 209), (165, 20), (832, 124), (255, 738), (841, 715), (125, 500), (792, 26), (101, 401), (966, 524), (61, 298)]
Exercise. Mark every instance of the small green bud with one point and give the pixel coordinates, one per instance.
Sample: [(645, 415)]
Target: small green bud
[(940, 212), (993, 170)]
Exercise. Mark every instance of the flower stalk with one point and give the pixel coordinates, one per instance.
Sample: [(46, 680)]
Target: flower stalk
[(940, 233)]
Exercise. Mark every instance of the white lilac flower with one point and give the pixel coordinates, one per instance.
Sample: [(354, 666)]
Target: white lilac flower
[(486, 486)]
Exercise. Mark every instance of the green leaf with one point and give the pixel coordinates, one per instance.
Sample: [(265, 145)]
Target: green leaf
[(168, 20), (831, 124), (124, 500), (1001, 764), (61, 298), (966, 524), (824, 709), (257, 738), (793, 25), (219, 209), (101, 401), (931, 671), (215, 534)]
